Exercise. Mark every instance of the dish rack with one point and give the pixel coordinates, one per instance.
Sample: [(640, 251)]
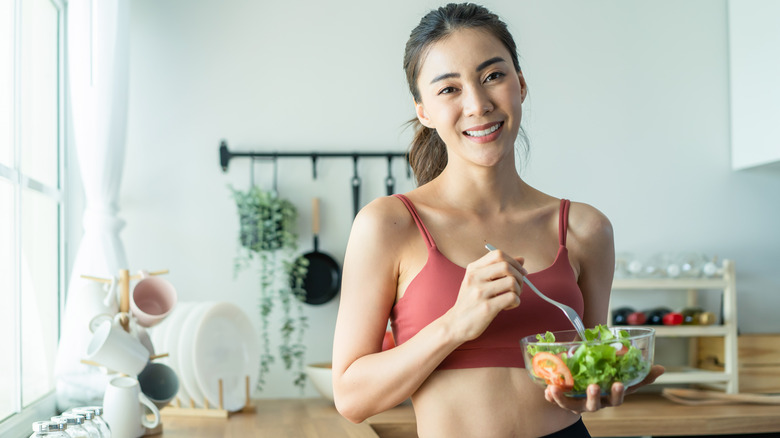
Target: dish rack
[(176, 408)]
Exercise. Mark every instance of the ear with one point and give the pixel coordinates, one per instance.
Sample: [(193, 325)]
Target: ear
[(523, 86), (422, 116)]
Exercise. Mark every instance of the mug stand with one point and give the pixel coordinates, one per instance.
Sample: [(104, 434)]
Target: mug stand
[(176, 409), (124, 307)]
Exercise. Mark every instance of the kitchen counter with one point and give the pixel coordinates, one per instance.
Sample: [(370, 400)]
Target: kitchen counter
[(641, 414)]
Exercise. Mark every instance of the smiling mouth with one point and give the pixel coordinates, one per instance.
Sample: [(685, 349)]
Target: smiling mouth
[(484, 132)]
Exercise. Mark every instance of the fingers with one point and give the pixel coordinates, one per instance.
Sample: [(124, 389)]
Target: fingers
[(496, 273), (591, 403), (496, 265), (497, 256), (617, 394)]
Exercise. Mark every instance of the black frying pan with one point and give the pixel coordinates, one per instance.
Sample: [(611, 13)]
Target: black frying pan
[(323, 279)]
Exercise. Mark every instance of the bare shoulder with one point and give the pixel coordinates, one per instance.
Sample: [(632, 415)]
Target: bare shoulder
[(384, 216), (589, 226), (590, 239), (383, 223)]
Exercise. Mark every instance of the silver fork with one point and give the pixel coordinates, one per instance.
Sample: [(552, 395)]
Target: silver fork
[(568, 311)]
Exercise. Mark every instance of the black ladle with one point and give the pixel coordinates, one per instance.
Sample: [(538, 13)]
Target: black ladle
[(390, 181), (355, 185)]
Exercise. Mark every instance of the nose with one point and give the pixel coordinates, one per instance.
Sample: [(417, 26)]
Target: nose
[(476, 102)]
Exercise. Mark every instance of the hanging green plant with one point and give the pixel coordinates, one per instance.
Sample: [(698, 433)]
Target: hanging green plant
[(267, 232)]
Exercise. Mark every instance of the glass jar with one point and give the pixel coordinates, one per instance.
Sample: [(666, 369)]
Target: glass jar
[(101, 424), (89, 423), (75, 425), (49, 429)]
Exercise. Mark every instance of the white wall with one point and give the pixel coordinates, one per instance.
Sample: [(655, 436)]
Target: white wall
[(628, 111)]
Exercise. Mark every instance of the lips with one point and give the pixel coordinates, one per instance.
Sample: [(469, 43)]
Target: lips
[(484, 133), (483, 130)]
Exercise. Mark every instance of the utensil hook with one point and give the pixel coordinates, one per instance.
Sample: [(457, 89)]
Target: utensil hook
[(252, 172), (355, 185), (390, 181), (276, 174)]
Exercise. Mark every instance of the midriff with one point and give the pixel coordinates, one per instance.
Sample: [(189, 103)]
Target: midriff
[(486, 402)]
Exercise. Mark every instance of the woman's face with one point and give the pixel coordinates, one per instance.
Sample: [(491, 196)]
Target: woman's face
[(472, 95)]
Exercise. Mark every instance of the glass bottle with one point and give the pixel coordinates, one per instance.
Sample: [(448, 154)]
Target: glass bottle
[(101, 424), (49, 429), (75, 427), (691, 315), (620, 315), (656, 316), (705, 318), (89, 423)]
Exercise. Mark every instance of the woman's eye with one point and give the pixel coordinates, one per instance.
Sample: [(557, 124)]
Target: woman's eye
[(447, 90), (493, 76)]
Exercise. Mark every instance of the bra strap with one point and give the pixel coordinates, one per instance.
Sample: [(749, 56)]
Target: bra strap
[(420, 225), (563, 221)]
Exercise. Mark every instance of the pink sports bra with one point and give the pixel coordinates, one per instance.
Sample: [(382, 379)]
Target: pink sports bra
[(434, 291)]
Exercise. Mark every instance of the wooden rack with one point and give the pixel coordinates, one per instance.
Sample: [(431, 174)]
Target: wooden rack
[(124, 291), (176, 409)]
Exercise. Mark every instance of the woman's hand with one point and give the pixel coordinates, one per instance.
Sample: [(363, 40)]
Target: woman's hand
[(491, 284), (593, 402)]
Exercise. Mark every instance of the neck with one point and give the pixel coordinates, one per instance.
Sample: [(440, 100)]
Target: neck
[(486, 190)]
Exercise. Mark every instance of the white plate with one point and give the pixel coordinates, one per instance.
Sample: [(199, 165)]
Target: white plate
[(186, 362), (171, 342), (225, 347), (159, 334)]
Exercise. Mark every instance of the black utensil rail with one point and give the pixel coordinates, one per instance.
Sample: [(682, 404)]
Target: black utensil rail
[(225, 155)]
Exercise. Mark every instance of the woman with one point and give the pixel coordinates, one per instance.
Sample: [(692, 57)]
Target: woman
[(420, 260)]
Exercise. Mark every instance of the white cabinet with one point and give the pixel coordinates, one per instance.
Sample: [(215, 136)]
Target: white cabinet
[(725, 284), (754, 69)]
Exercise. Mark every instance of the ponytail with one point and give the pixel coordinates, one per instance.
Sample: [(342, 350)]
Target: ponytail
[(427, 153)]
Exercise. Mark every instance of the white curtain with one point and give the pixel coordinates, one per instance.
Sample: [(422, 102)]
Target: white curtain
[(97, 60)]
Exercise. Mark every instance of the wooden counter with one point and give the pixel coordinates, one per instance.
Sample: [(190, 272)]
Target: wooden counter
[(641, 415), (287, 418)]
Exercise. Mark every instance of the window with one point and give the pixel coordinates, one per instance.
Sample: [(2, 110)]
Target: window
[(31, 208)]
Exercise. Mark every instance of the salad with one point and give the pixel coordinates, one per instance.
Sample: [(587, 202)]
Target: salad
[(603, 358)]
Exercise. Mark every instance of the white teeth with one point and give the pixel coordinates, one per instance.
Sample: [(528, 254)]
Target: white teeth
[(490, 130)]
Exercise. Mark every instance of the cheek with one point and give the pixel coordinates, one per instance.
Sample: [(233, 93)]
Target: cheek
[(443, 116)]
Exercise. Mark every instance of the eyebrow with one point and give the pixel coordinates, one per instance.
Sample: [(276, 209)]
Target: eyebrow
[(479, 68)]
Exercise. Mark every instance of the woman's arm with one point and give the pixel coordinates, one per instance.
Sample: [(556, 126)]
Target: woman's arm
[(366, 380)]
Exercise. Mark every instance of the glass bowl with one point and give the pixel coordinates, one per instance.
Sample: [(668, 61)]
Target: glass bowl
[(609, 355)]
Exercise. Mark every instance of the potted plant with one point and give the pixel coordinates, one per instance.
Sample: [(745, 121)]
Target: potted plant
[(267, 233)]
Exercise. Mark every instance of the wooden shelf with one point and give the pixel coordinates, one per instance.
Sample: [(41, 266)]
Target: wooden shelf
[(716, 284), (686, 331), (726, 284), (677, 375)]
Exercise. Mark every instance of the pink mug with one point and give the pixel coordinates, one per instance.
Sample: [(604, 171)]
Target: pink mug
[(152, 299)]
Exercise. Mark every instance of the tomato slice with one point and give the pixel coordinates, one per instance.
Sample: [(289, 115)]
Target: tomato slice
[(553, 370)]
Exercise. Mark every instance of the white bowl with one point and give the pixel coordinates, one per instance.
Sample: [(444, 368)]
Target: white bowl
[(321, 376)]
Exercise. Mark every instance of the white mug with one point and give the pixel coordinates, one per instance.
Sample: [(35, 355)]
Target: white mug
[(124, 408), (134, 329), (117, 350), (152, 299)]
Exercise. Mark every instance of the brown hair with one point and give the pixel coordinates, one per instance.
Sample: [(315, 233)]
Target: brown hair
[(427, 153)]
